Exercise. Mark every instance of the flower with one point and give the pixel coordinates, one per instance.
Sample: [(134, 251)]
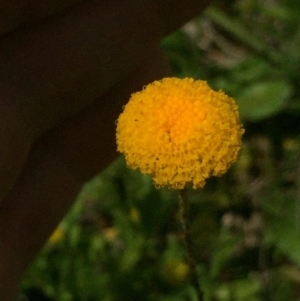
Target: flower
[(180, 131), (56, 236), (110, 233), (135, 215), (175, 271)]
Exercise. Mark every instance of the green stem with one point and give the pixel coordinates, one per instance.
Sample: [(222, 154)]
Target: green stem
[(192, 263)]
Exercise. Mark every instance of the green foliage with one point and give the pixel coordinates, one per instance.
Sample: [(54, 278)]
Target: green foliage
[(123, 238), (263, 99)]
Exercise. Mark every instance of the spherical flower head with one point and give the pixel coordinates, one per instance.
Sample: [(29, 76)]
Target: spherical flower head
[(180, 131)]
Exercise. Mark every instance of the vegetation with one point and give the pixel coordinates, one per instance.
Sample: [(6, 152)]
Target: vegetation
[(123, 238)]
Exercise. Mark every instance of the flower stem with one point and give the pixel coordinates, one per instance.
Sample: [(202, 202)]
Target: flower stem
[(191, 261)]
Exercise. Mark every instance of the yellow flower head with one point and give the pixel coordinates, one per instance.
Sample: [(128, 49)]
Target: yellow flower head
[(56, 236), (180, 131)]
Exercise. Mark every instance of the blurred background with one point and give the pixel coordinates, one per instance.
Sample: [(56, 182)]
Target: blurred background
[(122, 240)]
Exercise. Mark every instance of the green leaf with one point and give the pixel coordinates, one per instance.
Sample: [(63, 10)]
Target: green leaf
[(244, 289), (250, 70), (263, 99), (285, 236)]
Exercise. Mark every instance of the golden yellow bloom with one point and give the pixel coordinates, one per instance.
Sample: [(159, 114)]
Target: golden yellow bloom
[(110, 233), (56, 236), (175, 271), (180, 131), (135, 215)]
